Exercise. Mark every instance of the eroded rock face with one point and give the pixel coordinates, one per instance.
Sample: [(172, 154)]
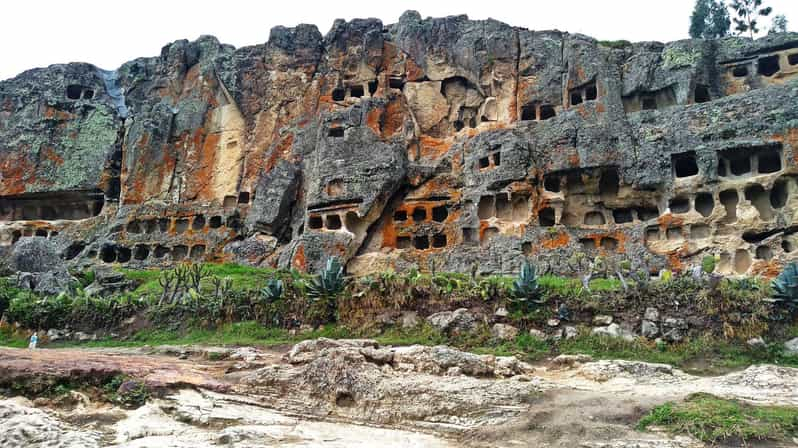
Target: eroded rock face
[(445, 142)]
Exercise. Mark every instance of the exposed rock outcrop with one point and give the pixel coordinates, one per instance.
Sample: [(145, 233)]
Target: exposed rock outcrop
[(439, 141)]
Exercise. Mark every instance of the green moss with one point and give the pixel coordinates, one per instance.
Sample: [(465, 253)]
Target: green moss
[(712, 419)]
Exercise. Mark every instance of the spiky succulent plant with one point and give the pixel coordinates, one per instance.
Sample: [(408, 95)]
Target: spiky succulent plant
[(526, 291), (329, 282), (785, 288), (273, 291)]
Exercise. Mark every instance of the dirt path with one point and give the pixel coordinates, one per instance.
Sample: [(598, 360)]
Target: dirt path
[(214, 395)]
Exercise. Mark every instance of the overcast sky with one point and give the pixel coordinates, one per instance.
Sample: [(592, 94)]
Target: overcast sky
[(37, 33)]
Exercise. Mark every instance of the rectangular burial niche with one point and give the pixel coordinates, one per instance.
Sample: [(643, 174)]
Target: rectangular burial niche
[(421, 242), (141, 252), (529, 112), (701, 94), (704, 204), (333, 222), (729, 199), (243, 197), (373, 84), (403, 242), (547, 111), (338, 94), (439, 213), (679, 205), (684, 164), (181, 225), (51, 206), (739, 71), (594, 218), (552, 183), (768, 161), (215, 222), (439, 240), (546, 217), (336, 132), (179, 252), (622, 215), (198, 223), (73, 91), (768, 65), (504, 209), (419, 214), (356, 91), (315, 222)]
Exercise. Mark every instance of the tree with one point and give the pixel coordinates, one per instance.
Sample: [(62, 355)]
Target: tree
[(748, 11), (779, 24), (710, 20)]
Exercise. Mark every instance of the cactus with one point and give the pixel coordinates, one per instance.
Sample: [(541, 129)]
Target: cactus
[(785, 288), (273, 291), (329, 282)]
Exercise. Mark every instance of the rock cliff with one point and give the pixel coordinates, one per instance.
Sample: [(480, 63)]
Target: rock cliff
[(441, 142)]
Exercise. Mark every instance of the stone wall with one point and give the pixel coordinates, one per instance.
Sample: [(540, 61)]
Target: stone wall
[(445, 143)]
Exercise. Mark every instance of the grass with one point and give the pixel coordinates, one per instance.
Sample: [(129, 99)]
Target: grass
[(243, 277), (702, 355), (712, 419), (239, 333)]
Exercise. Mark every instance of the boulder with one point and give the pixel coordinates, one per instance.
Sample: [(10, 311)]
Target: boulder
[(36, 255), (756, 343), (614, 331), (457, 321), (537, 334), (791, 347), (504, 332), (649, 329), (409, 319), (570, 332), (602, 320)]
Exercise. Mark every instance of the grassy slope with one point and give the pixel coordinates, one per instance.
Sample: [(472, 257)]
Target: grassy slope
[(712, 419)]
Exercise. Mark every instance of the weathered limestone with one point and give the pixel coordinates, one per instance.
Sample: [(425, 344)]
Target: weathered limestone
[(439, 143)]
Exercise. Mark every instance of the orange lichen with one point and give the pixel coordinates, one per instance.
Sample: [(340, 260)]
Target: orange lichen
[(434, 148), (560, 239), (766, 268), (373, 120), (668, 220), (393, 119), (299, 261), (573, 160)]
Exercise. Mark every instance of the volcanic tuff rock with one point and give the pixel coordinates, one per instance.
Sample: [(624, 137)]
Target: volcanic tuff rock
[(442, 141)]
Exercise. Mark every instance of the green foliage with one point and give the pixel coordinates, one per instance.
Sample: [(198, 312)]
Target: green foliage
[(7, 292), (785, 289), (779, 24), (323, 291), (710, 20), (273, 291), (615, 44), (712, 419), (708, 264), (75, 310), (748, 13), (329, 282), (526, 291)]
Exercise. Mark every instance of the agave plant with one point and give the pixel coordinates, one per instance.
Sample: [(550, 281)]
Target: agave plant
[(273, 291), (329, 282), (785, 288), (526, 291)]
